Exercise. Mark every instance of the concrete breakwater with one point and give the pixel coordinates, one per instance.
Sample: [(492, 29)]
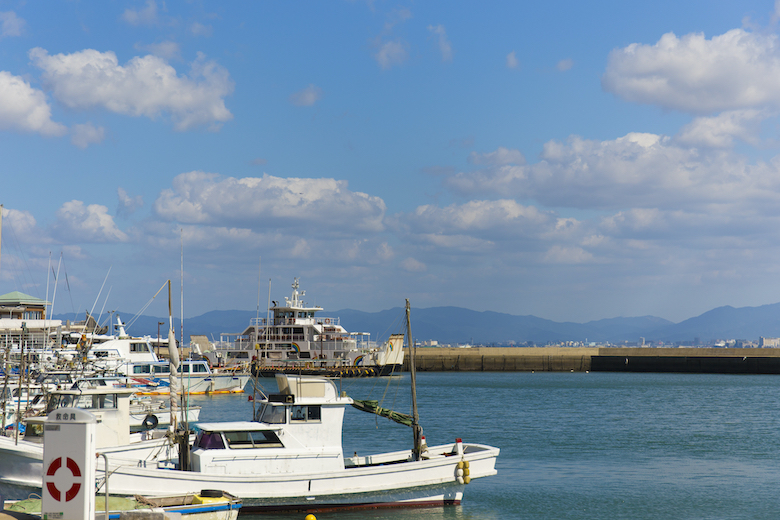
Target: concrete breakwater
[(567, 359)]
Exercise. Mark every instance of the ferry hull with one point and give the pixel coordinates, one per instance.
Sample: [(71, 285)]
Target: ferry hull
[(374, 371)]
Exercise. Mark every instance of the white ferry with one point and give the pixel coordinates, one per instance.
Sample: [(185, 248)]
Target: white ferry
[(296, 340)]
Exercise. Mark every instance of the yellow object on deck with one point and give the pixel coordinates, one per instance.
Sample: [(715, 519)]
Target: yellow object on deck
[(197, 499)]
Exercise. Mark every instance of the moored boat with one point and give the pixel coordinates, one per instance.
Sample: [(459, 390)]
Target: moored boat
[(296, 340)]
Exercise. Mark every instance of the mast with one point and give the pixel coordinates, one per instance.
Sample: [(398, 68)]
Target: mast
[(416, 428)]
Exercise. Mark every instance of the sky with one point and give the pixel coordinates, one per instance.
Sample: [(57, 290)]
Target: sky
[(570, 160)]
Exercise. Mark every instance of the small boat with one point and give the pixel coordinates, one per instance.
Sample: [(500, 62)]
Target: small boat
[(206, 505)]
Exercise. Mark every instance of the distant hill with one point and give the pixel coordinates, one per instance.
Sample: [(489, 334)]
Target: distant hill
[(459, 325)]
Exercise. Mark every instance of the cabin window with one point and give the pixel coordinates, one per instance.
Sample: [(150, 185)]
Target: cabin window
[(305, 355), (200, 368), (142, 369), (252, 439), (162, 369), (299, 413), (273, 414), (209, 441), (138, 347)]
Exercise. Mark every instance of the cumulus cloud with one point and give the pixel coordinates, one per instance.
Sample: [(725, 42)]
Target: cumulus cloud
[(413, 265), (295, 203), (511, 60), (306, 97), (445, 47), (719, 131), (145, 86), (144, 16), (733, 71), (90, 223), (11, 25), (168, 50), (500, 156), (637, 170), (24, 108), (127, 204), (390, 54), (87, 134)]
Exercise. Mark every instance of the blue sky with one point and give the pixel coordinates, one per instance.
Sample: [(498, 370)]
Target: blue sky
[(574, 161)]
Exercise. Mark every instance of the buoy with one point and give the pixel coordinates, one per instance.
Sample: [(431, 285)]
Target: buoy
[(310, 517)]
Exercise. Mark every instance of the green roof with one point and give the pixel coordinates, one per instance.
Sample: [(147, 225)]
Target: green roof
[(20, 297)]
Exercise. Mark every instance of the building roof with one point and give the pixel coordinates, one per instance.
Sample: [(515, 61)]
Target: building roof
[(20, 297)]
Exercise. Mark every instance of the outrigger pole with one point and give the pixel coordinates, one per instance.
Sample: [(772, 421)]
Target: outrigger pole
[(416, 428)]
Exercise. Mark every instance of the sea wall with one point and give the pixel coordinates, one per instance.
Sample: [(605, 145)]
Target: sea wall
[(567, 359)]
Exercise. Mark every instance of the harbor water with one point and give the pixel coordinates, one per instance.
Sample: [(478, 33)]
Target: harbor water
[(578, 445)]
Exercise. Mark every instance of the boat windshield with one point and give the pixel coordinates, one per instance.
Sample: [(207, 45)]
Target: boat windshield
[(86, 402), (272, 414)]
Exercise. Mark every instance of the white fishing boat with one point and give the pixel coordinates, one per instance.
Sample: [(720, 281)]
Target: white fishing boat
[(21, 459), (295, 339), (290, 457), (135, 359)]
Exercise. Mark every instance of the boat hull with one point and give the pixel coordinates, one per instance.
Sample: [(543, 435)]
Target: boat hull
[(404, 483)]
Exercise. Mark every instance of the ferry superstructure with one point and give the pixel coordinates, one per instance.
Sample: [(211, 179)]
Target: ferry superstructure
[(295, 339)]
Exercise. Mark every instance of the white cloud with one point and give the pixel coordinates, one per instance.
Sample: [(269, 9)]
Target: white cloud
[(145, 86), (199, 29), (564, 65), (257, 203), (499, 157), (390, 54), (719, 131), (732, 71), (11, 25), (413, 266), (87, 134), (558, 254), (92, 223), (637, 170), (168, 50), (127, 204), (24, 108), (145, 16), (511, 60), (445, 47), (306, 97)]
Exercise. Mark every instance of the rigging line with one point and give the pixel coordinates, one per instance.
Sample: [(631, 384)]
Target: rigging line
[(148, 303), (67, 284)]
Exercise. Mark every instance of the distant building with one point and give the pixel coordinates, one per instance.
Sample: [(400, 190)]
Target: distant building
[(768, 342)]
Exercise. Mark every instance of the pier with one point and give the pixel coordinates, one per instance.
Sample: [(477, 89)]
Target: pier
[(572, 359)]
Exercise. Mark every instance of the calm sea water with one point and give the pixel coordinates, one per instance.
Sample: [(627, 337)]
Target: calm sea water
[(580, 446)]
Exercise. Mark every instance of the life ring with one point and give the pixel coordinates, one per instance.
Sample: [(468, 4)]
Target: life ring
[(150, 422), (327, 321)]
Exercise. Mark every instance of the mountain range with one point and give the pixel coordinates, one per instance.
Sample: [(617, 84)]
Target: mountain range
[(450, 325)]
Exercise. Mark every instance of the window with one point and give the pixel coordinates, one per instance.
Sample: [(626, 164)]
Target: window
[(138, 347), (299, 413), (142, 369), (162, 369), (210, 441), (273, 414), (252, 439)]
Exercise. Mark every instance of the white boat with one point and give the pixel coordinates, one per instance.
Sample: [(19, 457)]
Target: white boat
[(135, 359), (296, 340), (21, 460), (291, 459)]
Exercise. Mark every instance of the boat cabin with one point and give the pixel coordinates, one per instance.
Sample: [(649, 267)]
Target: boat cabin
[(300, 427)]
